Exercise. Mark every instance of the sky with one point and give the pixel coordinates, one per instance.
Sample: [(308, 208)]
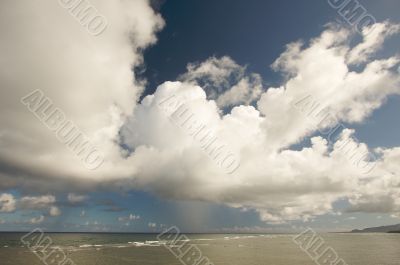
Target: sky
[(213, 116)]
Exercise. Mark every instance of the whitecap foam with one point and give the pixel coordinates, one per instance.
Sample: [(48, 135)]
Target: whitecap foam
[(85, 246)]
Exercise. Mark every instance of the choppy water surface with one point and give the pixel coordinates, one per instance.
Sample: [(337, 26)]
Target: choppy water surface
[(118, 249)]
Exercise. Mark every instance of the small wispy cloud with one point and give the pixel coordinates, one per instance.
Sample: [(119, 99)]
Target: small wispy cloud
[(130, 217), (76, 198)]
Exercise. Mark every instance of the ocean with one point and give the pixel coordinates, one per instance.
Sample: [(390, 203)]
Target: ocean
[(232, 249)]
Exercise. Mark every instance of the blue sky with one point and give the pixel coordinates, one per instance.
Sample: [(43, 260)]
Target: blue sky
[(253, 34)]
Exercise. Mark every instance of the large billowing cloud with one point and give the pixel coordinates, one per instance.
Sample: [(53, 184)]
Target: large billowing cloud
[(282, 184), (45, 47), (177, 142)]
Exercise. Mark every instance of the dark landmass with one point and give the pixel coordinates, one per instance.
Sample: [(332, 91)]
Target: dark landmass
[(379, 229)]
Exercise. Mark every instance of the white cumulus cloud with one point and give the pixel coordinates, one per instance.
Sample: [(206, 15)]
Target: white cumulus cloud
[(54, 211), (7, 202)]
